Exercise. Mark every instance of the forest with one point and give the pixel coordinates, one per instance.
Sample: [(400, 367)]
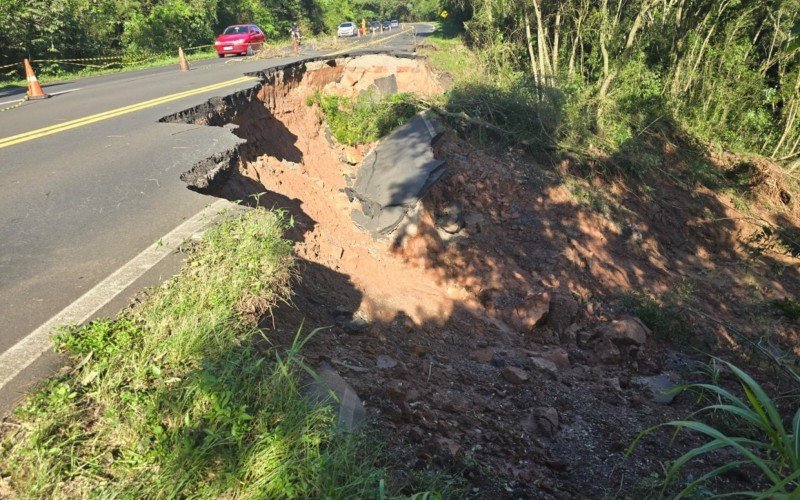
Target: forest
[(726, 70)]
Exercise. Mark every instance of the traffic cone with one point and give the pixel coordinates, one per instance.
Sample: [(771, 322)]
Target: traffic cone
[(34, 89), (184, 64)]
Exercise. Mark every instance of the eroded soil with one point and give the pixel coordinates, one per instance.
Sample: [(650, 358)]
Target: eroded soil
[(488, 340)]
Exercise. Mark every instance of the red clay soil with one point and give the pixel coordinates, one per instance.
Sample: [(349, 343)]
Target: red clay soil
[(500, 353)]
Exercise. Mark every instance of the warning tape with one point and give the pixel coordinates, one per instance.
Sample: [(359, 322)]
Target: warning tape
[(80, 59), (198, 47), (20, 103)]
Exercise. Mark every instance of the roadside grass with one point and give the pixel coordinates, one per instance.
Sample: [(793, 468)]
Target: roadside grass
[(178, 397), (366, 118), (58, 72)]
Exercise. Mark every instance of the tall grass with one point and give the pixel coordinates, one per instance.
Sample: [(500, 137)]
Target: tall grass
[(175, 398), (763, 443)]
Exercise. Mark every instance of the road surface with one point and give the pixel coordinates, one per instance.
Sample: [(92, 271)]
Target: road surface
[(90, 180)]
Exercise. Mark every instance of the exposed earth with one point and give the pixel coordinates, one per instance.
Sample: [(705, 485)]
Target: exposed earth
[(486, 336)]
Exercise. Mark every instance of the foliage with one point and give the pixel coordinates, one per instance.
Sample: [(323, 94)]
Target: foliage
[(763, 445), (662, 315), (366, 118), (176, 398), (726, 71), (789, 308)]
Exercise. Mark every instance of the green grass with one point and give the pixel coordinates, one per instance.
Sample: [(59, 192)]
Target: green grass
[(366, 118), (788, 308), (175, 398), (762, 446), (661, 315)]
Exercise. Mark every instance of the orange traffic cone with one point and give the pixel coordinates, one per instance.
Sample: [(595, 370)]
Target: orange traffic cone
[(34, 89), (184, 64)]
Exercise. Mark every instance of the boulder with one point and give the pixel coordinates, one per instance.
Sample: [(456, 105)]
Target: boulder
[(563, 309), (531, 312), (606, 352), (558, 356), (626, 331), (482, 355), (544, 365)]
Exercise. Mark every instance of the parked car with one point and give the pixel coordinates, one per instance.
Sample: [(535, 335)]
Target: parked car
[(387, 25), (347, 28), (243, 39), (375, 26), (395, 24)]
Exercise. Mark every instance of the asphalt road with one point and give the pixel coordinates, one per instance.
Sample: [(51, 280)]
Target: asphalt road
[(88, 184)]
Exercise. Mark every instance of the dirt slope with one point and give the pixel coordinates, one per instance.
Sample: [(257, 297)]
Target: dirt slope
[(486, 337)]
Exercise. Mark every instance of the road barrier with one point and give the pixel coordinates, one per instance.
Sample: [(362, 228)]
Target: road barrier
[(34, 89), (183, 64)]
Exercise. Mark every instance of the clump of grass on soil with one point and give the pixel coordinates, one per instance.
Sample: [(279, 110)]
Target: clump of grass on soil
[(366, 118), (788, 308), (175, 397)]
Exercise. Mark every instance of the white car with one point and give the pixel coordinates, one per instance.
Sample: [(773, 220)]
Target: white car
[(347, 28)]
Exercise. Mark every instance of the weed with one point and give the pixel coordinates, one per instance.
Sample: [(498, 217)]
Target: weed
[(662, 315), (365, 118), (788, 308), (175, 399), (587, 197), (774, 451)]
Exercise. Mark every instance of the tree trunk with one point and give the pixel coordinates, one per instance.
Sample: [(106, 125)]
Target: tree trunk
[(530, 48)]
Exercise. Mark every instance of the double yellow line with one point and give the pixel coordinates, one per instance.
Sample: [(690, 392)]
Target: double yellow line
[(61, 127)]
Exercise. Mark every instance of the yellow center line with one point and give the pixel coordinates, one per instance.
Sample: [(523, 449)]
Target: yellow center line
[(367, 44), (86, 120), (79, 122)]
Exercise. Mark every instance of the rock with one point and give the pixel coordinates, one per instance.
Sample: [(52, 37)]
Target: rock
[(354, 326), (448, 446), (451, 220), (563, 309), (482, 355), (545, 420), (544, 365), (558, 356), (385, 362), (515, 375), (626, 331), (531, 312), (657, 386), (606, 352), (330, 388), (343, 311)]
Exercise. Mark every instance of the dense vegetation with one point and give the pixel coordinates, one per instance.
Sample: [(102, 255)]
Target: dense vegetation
[(602, 72), (59, 29)]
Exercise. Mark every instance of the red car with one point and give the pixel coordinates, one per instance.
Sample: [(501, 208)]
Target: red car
[(240, 39)]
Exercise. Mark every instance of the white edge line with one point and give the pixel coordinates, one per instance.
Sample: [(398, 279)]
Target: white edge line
[(15, 100), (50, 93), (65, 91), (22, 354)]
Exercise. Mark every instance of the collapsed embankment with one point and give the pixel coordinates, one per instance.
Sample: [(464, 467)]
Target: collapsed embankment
[(482, 334)]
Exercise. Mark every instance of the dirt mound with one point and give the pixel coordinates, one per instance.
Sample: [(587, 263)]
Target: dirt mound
[(486, 337)]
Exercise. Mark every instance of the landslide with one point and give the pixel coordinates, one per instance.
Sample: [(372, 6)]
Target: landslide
[(513, 330)]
